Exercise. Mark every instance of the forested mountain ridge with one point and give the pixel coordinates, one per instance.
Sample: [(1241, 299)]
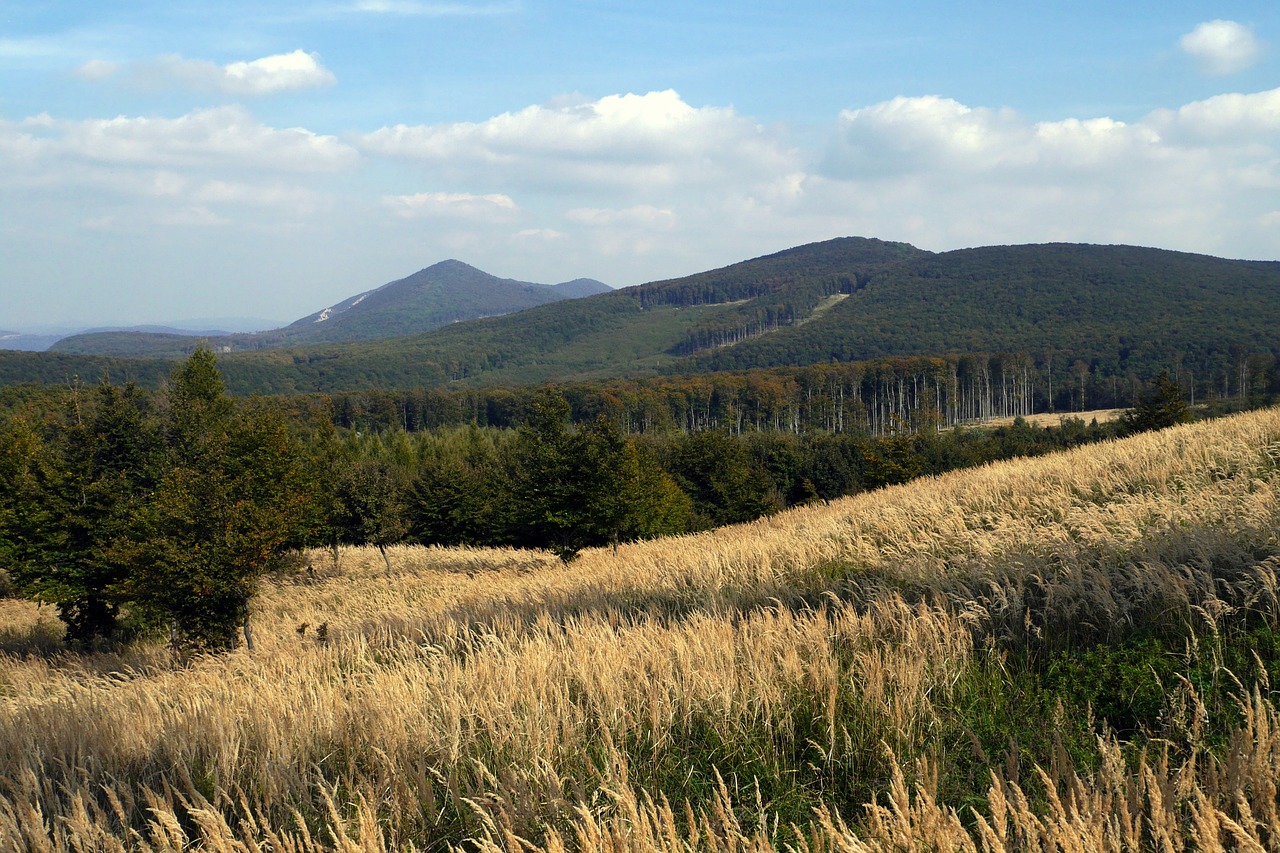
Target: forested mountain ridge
[(444, 293), (1062, 312), (1119, 307)]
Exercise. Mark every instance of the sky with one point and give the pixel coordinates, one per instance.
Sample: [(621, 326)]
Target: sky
[(167, 161)]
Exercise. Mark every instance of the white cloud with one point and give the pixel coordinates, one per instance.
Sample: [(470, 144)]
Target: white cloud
[(486, 208), (1231, 119), (282, 72), (97, 69), (211, 167), (620, 142), (539, 234), (635, 187), (910, 134), (943, 174), (224, 136), (1221, 47)]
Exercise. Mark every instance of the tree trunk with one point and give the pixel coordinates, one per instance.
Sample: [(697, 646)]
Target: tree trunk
[(382, 549), (248, 633)]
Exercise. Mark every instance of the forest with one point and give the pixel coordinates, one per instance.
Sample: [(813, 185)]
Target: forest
[(132, 511)]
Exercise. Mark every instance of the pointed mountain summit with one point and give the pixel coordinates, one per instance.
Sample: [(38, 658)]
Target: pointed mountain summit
[(443, 293)]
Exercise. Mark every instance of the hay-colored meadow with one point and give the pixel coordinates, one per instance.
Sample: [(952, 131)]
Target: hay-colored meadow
[(789, 683)]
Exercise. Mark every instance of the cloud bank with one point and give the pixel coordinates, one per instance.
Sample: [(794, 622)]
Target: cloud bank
[(634, 187)]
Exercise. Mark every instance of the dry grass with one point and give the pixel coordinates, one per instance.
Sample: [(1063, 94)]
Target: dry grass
[(635, 701), (1053, 419)]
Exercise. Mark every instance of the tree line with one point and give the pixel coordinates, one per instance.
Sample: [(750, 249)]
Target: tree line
[(151, 512), (873, 398)]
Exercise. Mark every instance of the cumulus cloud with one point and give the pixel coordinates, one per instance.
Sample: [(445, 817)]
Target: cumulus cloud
[(486, 208), (1244, 119), (210, 167), (278, 73), (282, 72), (226, 136), (1221, 47), (929, 169), (616, 142), (634, 187)]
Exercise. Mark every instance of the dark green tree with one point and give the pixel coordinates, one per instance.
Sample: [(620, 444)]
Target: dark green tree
[(576, 488), (233, 499), (370, 496), (1163, 405), (717, 473), (72, 500), (455, 501)]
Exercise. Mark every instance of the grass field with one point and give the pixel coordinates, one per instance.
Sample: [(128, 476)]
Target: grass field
[(1053, 419), (1071, 652)]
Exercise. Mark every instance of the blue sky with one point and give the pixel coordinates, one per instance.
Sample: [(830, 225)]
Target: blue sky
[(166, 161)]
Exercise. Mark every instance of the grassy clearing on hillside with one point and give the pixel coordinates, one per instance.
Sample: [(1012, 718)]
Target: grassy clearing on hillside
[(1053, 419), (1072, 652)]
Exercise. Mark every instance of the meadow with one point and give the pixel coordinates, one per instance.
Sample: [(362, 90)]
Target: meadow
[(1071, 652)]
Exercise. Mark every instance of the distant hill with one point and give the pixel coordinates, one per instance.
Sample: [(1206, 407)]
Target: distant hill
[(27, 341), (444, 293), (1122, 311)]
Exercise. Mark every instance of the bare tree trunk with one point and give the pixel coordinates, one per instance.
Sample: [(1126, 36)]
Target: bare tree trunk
[(248, 633), (382, 549)]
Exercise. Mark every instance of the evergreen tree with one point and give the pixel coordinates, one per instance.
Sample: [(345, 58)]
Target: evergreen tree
[(72, 501), (232, 500), (370, 504), (1162, 406), (454, 501)]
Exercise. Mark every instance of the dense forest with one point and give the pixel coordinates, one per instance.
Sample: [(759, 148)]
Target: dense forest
[(130, 510), (876, 397)]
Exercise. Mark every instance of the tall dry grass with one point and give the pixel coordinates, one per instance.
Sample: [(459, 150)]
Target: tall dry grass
[(680, 694)]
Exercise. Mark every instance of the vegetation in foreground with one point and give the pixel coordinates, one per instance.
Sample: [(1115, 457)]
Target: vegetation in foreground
[(1070, 652)]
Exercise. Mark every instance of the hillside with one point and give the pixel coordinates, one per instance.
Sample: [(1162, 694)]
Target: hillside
[(1119, 311), (1124, 305), (444, 293), (1074, 652)]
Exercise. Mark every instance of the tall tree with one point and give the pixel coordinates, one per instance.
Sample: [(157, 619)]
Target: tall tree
[(73, 499), (1163, 405), (230, 503), (370, 504)]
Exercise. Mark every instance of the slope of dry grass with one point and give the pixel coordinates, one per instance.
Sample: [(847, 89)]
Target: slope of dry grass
[(819, 668)]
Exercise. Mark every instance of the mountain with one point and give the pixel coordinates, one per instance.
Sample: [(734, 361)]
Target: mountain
[(27, 341), (1122, 306), (41, 338), (447, 292), (1120, 311)]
